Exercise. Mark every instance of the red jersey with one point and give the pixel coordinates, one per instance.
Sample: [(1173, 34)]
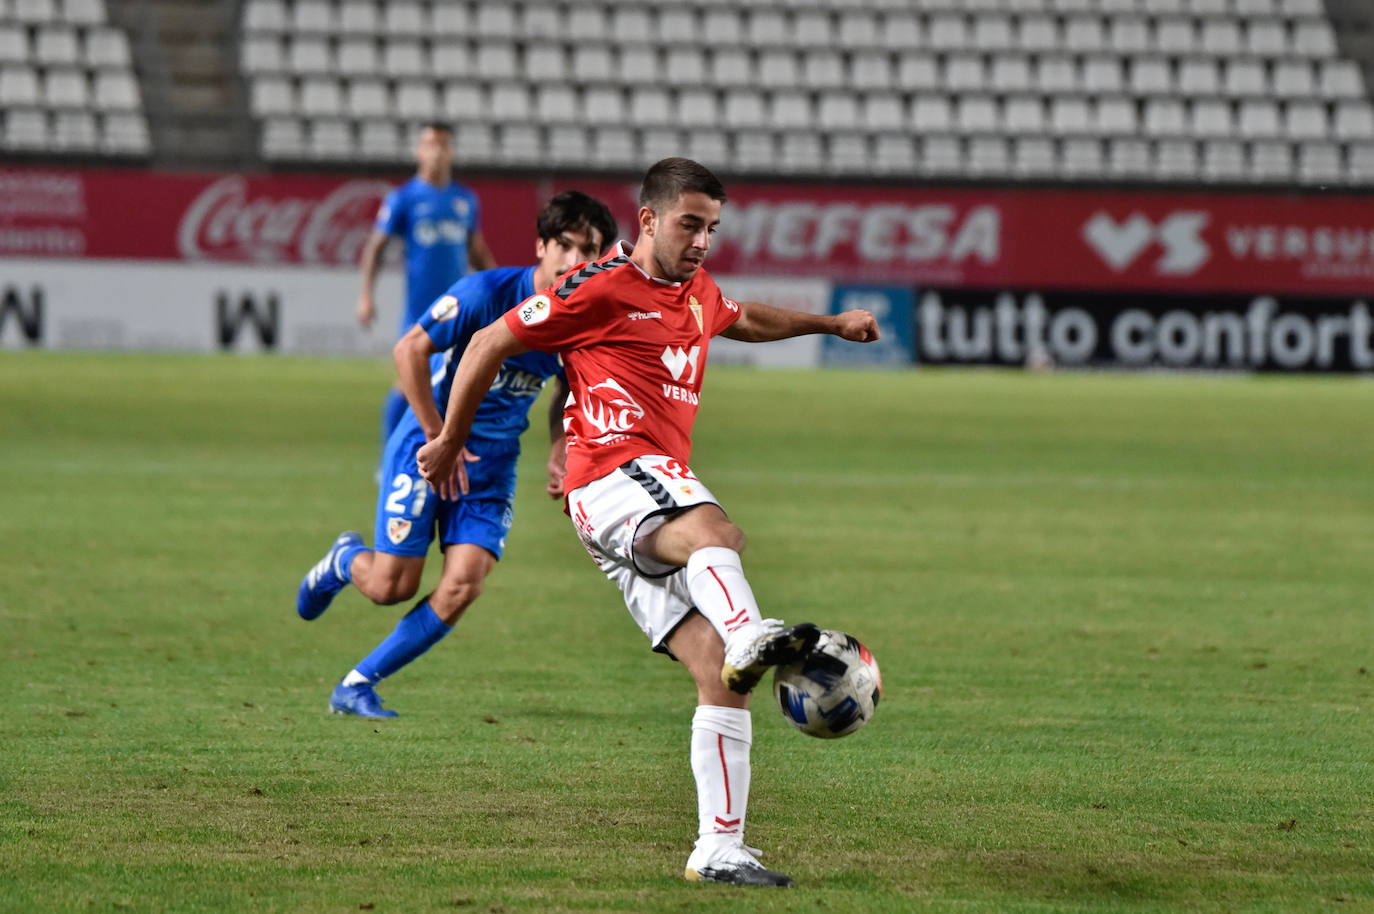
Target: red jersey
[(634, 350)]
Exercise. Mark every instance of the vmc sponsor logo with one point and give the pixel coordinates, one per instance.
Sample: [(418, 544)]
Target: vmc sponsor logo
[(1192, 332)]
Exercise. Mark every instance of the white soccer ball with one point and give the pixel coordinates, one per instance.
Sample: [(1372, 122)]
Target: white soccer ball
[(833, 690)]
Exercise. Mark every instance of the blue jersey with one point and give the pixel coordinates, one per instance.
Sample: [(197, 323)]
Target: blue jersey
[(435, 224), (469, 305)]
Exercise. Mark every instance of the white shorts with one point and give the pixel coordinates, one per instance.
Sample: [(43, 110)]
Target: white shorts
[(614, 513)]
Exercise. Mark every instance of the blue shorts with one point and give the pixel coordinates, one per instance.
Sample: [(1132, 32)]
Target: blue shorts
[(410, 513)]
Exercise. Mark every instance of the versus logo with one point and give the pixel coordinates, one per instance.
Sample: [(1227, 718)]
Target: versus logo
[(1120, 244), (677, 361)]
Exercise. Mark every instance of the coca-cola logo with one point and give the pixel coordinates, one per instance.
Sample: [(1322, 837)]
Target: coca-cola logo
[(226, 222)]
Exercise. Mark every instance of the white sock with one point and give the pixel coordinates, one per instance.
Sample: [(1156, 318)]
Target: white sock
[(720, 761), (355, 678), (716, 581)]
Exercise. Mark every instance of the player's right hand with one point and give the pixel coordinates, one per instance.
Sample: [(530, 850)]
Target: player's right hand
[(367, 310), (446, 472)]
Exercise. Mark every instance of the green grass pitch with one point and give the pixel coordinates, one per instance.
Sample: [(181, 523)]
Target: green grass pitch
[(1124, 623)]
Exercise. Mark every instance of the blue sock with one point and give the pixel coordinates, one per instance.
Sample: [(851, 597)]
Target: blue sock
[(346, 557), (392, 411), (418, 631)]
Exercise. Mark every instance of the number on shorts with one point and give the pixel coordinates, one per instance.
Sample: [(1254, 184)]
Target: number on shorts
[(674, 469), (402, 487)]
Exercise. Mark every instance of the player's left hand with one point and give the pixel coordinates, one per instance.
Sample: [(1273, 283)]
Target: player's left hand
[(857, 326), (557, 467)]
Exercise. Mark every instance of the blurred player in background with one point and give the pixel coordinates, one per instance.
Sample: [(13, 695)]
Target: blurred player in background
[(438, 221), (633, 330), (572, 228)]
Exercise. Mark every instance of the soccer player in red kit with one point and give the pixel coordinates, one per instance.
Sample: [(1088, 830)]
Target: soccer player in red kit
[(633, 330)]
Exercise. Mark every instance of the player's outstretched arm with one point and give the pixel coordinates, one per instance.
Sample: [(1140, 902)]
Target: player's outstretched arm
[(490, 346), (760, 323), (411, 354)]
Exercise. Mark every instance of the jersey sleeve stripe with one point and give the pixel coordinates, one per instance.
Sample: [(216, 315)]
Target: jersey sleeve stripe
[(572, 282)]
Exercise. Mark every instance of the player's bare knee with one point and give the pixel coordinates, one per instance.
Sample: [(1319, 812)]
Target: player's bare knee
[(394, 590), (451, 597)]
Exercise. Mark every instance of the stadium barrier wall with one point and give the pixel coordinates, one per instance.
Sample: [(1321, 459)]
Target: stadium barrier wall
[(94, 258)]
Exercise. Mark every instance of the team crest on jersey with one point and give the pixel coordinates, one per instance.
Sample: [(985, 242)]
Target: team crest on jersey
[(397, 529), (460, 206), (445, 309), (696, 312), (535, 310)]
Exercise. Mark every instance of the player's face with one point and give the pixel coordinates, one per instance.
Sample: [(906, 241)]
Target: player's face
[(434, 153), (566, 250), (682, 235)]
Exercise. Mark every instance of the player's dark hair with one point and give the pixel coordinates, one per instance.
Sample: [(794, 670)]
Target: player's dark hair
[(572, 210), (437, 126), (669, 179)]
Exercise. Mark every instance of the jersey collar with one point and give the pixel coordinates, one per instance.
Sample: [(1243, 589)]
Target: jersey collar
[(624, 249)]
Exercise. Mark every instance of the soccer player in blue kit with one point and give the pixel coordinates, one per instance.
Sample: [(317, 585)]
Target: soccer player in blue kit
[(572, 228), (439, 222)]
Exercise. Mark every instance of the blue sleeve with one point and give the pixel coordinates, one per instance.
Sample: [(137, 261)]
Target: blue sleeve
[(391, 218), (459, 313)]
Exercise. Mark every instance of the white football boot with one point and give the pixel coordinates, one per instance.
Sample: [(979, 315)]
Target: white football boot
[(731, 863), (756, 647)]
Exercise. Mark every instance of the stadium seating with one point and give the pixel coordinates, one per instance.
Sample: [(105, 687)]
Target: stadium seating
[(1228, 91), (67, 81), (1237, 91)]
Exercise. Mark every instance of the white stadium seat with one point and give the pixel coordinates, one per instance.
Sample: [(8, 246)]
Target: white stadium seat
[(66, 89), (1223, 160), (380, 140), (614, 147), (1271, 161), (743, 108), (359, 17), (1128, 157), (1258, 118), (1340, 79), (1211, 117), (1353, 120), (358, 56), (320, 97), (894, 154), (1319, 163), (56, 45), (1024, 114), (75, 131), (1033, 156), (1294, 79), (18, 87), (1306, 120), (837, 112), (366, 98), (509, 103), (404, 17), (604, 105), (791, 110)]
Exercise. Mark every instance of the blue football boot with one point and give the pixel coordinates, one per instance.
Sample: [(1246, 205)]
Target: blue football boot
[(325, 579), (360, 700)]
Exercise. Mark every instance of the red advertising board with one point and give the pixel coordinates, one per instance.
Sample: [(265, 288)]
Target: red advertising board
[(1064, 239)]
